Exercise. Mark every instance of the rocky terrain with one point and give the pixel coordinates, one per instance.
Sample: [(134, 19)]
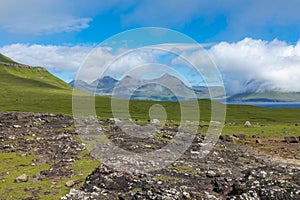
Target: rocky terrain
[(232, 170)]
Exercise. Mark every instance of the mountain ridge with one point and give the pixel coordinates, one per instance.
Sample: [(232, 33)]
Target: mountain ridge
[(148, 90), (162, 88)]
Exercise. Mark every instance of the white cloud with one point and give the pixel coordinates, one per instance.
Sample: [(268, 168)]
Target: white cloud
[(48, 16), (47, 26), (54, 58)]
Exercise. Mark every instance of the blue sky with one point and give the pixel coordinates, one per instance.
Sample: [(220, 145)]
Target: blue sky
[(59, 22), (49, 32)]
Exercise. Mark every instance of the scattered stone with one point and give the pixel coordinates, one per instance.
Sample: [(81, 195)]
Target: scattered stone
[(11, 137), (186, 195), (195, 152), (290, 139), (240, 136), (256, 136), (228, 138), (108, 178), (70, 183), (211, 174), (258, 141), (21, 178), (168, 136), (155, 121), (247, 124), (8, 146), (115, 119), (159, 182), (17, 126)]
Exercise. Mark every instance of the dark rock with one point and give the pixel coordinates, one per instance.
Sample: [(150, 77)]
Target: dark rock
[(237, 189), (222, 187), (228, 138), (258, 141), (240, 136), (290, 139), (108, 178), (256, 136)]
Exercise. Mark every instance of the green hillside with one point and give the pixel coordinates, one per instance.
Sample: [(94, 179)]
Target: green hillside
[(5, 59), (33, 89)]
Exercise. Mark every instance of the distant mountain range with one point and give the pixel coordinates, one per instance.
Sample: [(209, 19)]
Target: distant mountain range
[(160, 89), (164, 88)]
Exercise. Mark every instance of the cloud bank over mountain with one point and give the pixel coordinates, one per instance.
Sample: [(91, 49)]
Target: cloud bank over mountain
[(248, 65), (255, 65)]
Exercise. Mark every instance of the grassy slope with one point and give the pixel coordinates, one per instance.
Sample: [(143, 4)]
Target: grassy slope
[(3, 58), (33, 90)]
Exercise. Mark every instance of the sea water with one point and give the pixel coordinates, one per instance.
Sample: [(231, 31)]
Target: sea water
[(269, 104)]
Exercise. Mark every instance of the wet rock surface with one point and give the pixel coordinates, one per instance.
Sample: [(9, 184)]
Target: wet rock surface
[(231, 170)]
